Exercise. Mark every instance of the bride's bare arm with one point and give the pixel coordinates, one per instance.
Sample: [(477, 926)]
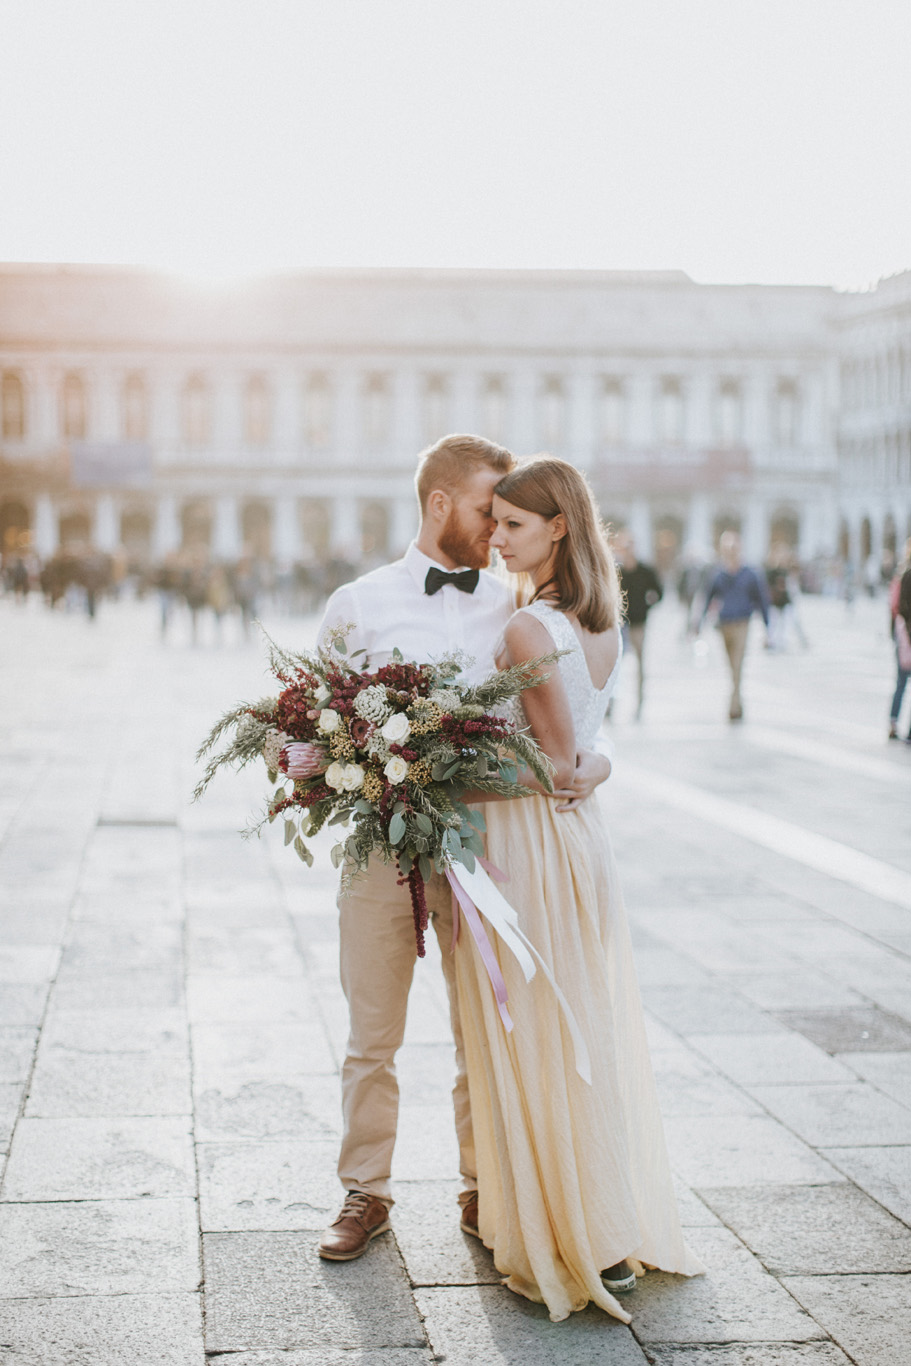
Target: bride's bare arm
[(546, 706)]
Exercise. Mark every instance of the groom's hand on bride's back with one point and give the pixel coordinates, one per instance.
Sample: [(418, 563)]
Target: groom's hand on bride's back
[(591, 770)]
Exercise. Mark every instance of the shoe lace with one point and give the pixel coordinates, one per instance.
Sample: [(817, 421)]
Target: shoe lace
[(355, 1204)]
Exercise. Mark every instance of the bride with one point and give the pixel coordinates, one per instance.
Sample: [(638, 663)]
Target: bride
[(574, 1187)]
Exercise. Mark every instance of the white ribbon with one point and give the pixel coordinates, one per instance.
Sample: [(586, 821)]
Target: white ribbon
[(500, 916)]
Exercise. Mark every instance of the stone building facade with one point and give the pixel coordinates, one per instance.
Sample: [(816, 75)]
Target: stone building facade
[(283, 415)]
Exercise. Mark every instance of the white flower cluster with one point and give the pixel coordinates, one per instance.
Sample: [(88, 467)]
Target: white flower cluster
[(447, 699), (372, 705), (273, 745), (396, 769), (328, 721), (344, 777)]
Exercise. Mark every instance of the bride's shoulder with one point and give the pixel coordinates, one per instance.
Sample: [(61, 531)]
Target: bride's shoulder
[(527, 633)]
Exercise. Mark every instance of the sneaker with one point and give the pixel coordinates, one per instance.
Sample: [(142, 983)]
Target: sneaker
[(619, 1279), (361, 1218), (893, 732)]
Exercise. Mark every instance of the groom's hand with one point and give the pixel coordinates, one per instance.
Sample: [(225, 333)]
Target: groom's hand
[(591, 770)]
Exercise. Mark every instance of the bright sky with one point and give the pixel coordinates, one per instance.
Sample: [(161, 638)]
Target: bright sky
[(738, 140)]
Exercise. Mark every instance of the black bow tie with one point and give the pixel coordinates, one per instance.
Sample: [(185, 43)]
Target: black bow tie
[(466, 580)]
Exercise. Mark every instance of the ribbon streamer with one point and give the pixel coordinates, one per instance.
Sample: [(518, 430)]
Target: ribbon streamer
[(478, 895)]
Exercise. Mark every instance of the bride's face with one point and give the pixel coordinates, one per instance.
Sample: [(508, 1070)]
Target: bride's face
[(526, 541)]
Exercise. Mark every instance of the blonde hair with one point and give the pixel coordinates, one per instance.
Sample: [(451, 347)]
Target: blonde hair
[(585, 580), (452, 460)]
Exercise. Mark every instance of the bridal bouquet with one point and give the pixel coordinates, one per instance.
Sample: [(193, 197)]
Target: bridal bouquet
[(386, 753)]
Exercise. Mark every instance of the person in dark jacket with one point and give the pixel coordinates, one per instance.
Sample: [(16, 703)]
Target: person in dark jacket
[(641, 588), (740, 591)]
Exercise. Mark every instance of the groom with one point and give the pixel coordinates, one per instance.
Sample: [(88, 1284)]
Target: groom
[(435, 600)]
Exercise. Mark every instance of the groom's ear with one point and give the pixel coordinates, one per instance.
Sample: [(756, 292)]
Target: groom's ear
[(439, 505)]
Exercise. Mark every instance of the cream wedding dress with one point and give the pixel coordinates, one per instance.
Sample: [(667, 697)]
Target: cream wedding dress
[(572, 1177)]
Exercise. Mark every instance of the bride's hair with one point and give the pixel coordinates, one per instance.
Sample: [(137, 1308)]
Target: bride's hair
[(585, 580)]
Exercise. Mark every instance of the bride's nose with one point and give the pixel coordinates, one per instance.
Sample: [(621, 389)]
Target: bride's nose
[(496, 539)]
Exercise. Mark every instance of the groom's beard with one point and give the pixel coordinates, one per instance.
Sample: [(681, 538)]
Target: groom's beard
[(461, 547)]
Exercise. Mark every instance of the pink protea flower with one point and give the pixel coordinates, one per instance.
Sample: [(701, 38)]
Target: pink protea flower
[(302, 759)]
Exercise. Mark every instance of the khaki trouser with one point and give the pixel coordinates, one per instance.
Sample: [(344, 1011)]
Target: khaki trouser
[(734, 635), (378, 953)]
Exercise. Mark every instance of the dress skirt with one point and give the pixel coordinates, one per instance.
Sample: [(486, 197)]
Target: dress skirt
[(572, 1177)]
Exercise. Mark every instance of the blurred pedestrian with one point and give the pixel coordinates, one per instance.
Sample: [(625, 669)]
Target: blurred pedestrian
[(783, 586), (740, 592), (642, 589), (901, 631)]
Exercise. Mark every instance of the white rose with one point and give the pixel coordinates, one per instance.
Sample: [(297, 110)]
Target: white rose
[(328, 721), (335, 775), (396, 769), (352, 777), (321, 695), (397, 729)]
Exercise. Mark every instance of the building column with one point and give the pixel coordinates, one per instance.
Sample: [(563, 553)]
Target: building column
[(755, 535), (345, 531), (403, 522), (166, 529), (286, 530), (45, 536), (106, 529), (640, 528), (698, 533), (226, 537)]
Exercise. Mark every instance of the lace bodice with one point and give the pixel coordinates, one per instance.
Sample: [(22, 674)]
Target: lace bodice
[(587, 703)]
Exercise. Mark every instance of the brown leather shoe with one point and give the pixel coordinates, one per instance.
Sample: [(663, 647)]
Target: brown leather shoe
[(361, 1218), (469, 1222)]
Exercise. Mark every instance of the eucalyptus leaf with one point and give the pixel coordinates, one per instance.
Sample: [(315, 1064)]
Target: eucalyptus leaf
[(468, 859), (425, 867), (396, 828), (477, 820), (339, 817), (303, 852), (452, 769), (363, 807), (424, 823), (290, 832), (341, 647), (337, 853)]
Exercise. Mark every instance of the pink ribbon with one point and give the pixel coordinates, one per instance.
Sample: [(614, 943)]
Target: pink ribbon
[(479, 935)]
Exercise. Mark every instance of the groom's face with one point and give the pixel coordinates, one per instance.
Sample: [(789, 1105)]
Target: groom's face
[(465, 537)]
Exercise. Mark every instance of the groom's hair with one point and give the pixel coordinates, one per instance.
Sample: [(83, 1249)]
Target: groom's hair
[(451, 461)]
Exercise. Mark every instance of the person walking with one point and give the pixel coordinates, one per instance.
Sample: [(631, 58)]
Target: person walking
[(740, 592), (900, 602), (436, 600), (641, 587)]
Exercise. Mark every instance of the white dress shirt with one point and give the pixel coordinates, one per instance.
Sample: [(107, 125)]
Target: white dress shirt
[(390, 610)]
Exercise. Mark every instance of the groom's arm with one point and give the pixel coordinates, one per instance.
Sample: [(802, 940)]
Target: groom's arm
[(592, 769)]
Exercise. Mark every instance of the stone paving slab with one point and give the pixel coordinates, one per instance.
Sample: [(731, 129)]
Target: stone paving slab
[(22, 1005), (227, 1053), (97, 1159), (837, 1115), (272, 1186), (741, 1150), (303, 1109), (750, 1354), (869, 1316), (100, 1247), (888, 1072), (854, 1029), (120, 1033), (326, 1356), (884, 1173), (66, 1083), (272, 1290), (813, 1230), (737, 1301), (154, 1330), (425, 1221), (770, 1059), (17, 1049), (470, 1325), (119, 991)]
